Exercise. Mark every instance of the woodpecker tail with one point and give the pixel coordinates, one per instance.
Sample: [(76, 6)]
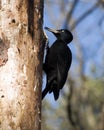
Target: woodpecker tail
[(54, 89), (56, 93), (44, 93), (47, 88)]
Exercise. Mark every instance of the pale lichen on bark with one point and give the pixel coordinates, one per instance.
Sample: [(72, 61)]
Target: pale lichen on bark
[(22, 69)]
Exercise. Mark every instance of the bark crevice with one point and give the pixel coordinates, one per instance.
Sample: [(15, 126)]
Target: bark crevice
[(4, 45)]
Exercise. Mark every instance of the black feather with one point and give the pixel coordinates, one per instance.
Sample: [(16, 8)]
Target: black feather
[(57, 62)]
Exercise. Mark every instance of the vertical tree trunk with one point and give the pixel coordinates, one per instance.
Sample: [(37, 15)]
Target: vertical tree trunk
[(21, 53)]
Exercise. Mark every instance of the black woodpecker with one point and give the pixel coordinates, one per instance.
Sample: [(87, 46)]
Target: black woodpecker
[(57, 62)]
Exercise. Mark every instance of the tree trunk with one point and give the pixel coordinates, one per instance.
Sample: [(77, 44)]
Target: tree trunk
[(21, 53)]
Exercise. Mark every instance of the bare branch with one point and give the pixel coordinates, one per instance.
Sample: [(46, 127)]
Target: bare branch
[(84, 15), (68, 18), (71, 12)]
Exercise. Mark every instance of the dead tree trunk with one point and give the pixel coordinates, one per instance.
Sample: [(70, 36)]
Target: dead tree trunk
[(21, 53)]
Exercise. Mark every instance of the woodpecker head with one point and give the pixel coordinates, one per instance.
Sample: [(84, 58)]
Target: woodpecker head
[(62, 34)]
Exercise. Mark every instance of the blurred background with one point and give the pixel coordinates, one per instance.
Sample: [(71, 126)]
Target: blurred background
[(81, 102)]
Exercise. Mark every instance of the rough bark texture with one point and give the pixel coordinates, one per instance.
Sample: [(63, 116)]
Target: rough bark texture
[(21, 52)]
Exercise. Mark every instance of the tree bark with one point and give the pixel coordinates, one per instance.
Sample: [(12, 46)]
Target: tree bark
[(21, 53)]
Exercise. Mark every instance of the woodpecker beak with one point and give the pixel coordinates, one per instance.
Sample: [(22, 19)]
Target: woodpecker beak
[(51, 30)]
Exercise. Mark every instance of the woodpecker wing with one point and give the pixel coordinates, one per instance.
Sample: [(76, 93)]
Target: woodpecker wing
[(64, 59), (57, 64)]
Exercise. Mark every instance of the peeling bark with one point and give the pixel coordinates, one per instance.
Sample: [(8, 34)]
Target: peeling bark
[(21, 53)]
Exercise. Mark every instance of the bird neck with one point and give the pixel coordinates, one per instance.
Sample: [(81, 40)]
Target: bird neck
[(61, 40)]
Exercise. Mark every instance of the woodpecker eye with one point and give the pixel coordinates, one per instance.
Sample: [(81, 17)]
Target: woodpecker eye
[(62, 30)]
